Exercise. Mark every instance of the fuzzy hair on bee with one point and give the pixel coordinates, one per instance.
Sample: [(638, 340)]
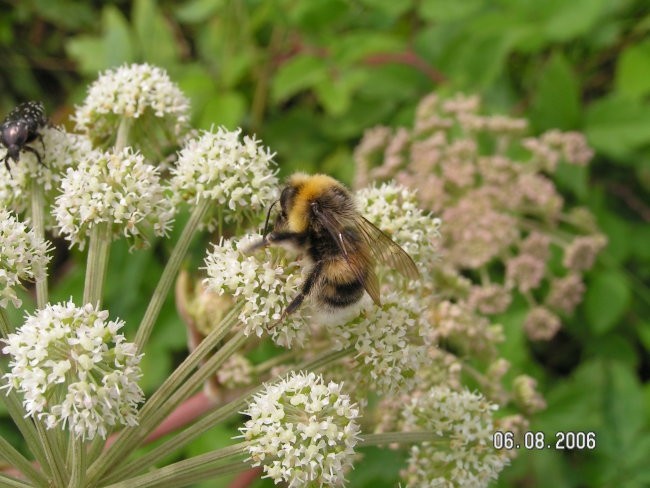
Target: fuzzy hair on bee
[(319, 218)]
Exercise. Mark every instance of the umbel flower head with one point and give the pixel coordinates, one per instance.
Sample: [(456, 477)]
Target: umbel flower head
[(237, 175), (118, 189), (136, 91), (302, 431), (59, 150), (265, 286), (23, 257), (394, 209), (465, 420), (75, 370), (390, 343)]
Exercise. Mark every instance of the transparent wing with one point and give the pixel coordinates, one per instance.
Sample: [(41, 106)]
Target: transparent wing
[(355, 251), (385, 250)]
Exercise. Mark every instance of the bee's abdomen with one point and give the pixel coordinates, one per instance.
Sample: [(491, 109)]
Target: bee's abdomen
[(339, 287), (341, 295)]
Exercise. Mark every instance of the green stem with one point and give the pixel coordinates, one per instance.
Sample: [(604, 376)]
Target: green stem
[(9, 482), (25, 426), (97, 263), (169, 274), (20, 462), (122, 138), (52, 455), (170, 394), (38, 224), (77, 463), (5, 325), (189, 471), (400, 438), (209, 420)]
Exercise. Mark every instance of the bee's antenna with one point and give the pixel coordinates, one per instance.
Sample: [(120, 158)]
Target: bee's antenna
[(266, 224)]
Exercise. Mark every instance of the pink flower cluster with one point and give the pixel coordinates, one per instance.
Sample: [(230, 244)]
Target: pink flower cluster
[(503, 219)]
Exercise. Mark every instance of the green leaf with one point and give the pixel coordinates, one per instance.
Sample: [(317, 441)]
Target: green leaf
[(299, 73), (446, 11), (567, 20), (575, 403), (154, 34), (606, 300), (633, 71), (227, 109), (390, 8), (557, 99), (478, 61), (113, 48), (335, 94), (317, 16), (618, 125), (619, 238), (643, 330), (362, 44), (197, 10), (66, 13), (623, 418)]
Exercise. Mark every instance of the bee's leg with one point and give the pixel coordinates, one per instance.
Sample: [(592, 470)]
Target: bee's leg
[(307, 286), (278, 237)]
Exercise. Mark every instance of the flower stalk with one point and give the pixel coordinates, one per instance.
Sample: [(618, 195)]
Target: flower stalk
[(169, 274), (193, 470), (218, 414), (24, 465), (97, 263), (171, 393), (38, 224)]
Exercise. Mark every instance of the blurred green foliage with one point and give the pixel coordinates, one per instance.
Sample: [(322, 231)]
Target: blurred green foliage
[(309, 76)]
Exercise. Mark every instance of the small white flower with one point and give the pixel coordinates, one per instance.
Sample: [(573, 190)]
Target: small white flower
[(390, 343), (120, 189), (394, 209), (302, 431), (264, 285), (463, 419), (58, 150), (236, 371), (23, 257), (75, 370), (238, 176), (135, 91)]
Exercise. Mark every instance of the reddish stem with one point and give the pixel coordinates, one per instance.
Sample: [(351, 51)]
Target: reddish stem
[(187, 412), (245, 479)]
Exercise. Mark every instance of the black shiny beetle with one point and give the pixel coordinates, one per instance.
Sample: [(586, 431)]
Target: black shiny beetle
[(21, 127)]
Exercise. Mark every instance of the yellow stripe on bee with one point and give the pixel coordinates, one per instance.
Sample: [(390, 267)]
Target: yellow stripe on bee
[(309, 187)]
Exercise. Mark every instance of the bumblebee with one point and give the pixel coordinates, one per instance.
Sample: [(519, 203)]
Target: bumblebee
[(319, 218)]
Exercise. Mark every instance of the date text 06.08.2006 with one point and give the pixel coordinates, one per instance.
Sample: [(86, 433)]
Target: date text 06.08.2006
[(539, 440)]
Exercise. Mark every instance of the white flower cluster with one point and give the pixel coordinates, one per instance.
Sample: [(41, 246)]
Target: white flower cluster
[(59, 150), (236, 371), (236, 175), (390, 343), (132, 91), (302, 431), (265, 286), (75, 370), (394, 209), (23, 257), (119, 189), (464, 419)]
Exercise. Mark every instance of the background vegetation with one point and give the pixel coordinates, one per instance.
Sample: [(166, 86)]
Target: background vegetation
[(308, 77)]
